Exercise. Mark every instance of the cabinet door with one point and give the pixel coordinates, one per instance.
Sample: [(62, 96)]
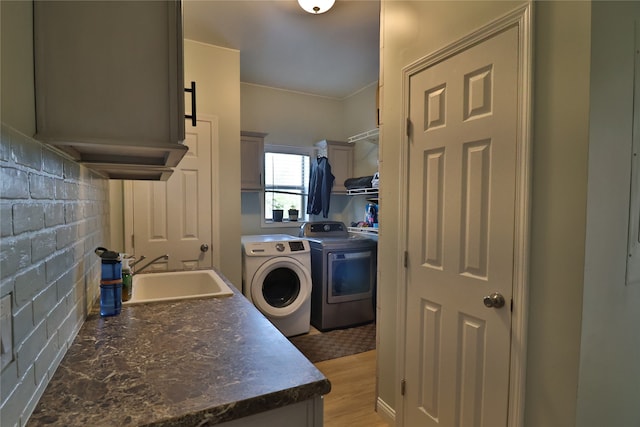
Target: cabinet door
[(109, 80), (252, 160), (341, 160)]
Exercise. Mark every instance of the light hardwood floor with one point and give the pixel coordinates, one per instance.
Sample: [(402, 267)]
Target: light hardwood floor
[(352, 400)]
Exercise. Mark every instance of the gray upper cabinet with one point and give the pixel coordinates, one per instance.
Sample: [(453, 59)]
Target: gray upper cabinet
[(340, 156), (252, 160), (110, 83)]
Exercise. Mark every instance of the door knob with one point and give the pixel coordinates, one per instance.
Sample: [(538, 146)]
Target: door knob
[(495, 300), (204, 247)]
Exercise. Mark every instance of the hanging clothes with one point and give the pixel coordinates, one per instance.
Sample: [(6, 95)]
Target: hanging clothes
[(320, 184)]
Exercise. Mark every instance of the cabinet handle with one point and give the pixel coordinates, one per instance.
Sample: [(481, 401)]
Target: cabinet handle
[(192, 116)]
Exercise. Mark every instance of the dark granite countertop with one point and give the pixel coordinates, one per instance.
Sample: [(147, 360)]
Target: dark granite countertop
[(192, 362)]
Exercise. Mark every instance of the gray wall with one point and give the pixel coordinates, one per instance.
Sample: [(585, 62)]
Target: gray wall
[(53, 213), (609, 381), (560, 151)]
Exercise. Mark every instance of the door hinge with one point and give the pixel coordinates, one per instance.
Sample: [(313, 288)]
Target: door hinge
[(133, 242), (403, 387), (406, 259), (408, 126), (512, 305)]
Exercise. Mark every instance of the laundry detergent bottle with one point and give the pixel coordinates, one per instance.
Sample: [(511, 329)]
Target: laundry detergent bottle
[(110, 282), (371, 214)]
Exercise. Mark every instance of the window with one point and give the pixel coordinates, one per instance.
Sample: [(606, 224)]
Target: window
[(286, 172)]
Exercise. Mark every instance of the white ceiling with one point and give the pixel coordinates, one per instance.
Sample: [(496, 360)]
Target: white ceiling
[(334, 54)]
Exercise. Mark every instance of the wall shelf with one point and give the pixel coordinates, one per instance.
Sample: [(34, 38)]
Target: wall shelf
[(370, 136), (363, 191)]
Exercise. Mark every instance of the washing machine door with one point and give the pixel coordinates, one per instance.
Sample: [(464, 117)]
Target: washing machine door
[(280, 287)]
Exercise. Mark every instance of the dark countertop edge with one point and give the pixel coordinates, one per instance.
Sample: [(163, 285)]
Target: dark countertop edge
[(237, 410)]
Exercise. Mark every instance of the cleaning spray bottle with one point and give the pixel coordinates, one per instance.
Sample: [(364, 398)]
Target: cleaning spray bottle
[(127, 279)]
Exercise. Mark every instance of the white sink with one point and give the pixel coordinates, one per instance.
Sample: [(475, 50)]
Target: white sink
[(177, 285)]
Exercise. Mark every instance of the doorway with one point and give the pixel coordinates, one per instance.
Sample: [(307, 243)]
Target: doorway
[(177, 216)]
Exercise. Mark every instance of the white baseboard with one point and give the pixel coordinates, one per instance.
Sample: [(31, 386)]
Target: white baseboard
[(386, 412)]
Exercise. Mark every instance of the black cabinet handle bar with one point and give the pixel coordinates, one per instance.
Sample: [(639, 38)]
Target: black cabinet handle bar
[(192, 116)]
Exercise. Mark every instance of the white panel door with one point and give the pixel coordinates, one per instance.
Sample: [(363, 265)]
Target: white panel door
[(462, 172), (174, 217)]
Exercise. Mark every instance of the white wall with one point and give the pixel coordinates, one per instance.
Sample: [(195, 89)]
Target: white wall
[(290, 118), (609, 383), (216, 72), (298, 119)]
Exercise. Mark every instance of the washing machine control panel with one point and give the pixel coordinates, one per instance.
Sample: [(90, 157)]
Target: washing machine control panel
[(276, 248), (293, 246), (296, 246)]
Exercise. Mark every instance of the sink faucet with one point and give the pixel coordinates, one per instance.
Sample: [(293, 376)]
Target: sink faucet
[(138, 270), (135, 261)]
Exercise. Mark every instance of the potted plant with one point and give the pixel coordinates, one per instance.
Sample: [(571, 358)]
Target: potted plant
[(277, 211), (293, 213)]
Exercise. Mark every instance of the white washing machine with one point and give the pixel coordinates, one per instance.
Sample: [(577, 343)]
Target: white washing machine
[(276, 278)]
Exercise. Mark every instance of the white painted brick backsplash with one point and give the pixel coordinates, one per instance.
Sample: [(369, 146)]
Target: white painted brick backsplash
[(22, 323), (72, 170), (14, 405), (46, 357), (15, 255), (72, 212), (6, 222), (26, 152), (29, 283), (56, 317), (41, 187), (66, 235), (5, 145), (27, 351), (57, 265), (27, 217), (9, 380), (44, 303), (43, 244), (14, 183), (53, 214), (52, 163)]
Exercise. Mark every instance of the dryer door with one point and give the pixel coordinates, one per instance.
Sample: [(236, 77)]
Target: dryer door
[(280, 287)]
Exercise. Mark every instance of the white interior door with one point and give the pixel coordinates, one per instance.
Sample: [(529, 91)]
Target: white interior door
[(461, 218), (174, 217)]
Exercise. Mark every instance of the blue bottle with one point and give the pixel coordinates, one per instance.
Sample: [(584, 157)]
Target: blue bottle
[(110, 282), (371, 214)]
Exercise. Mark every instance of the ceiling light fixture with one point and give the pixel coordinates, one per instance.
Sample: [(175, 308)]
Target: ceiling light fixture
[(316, 7)]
